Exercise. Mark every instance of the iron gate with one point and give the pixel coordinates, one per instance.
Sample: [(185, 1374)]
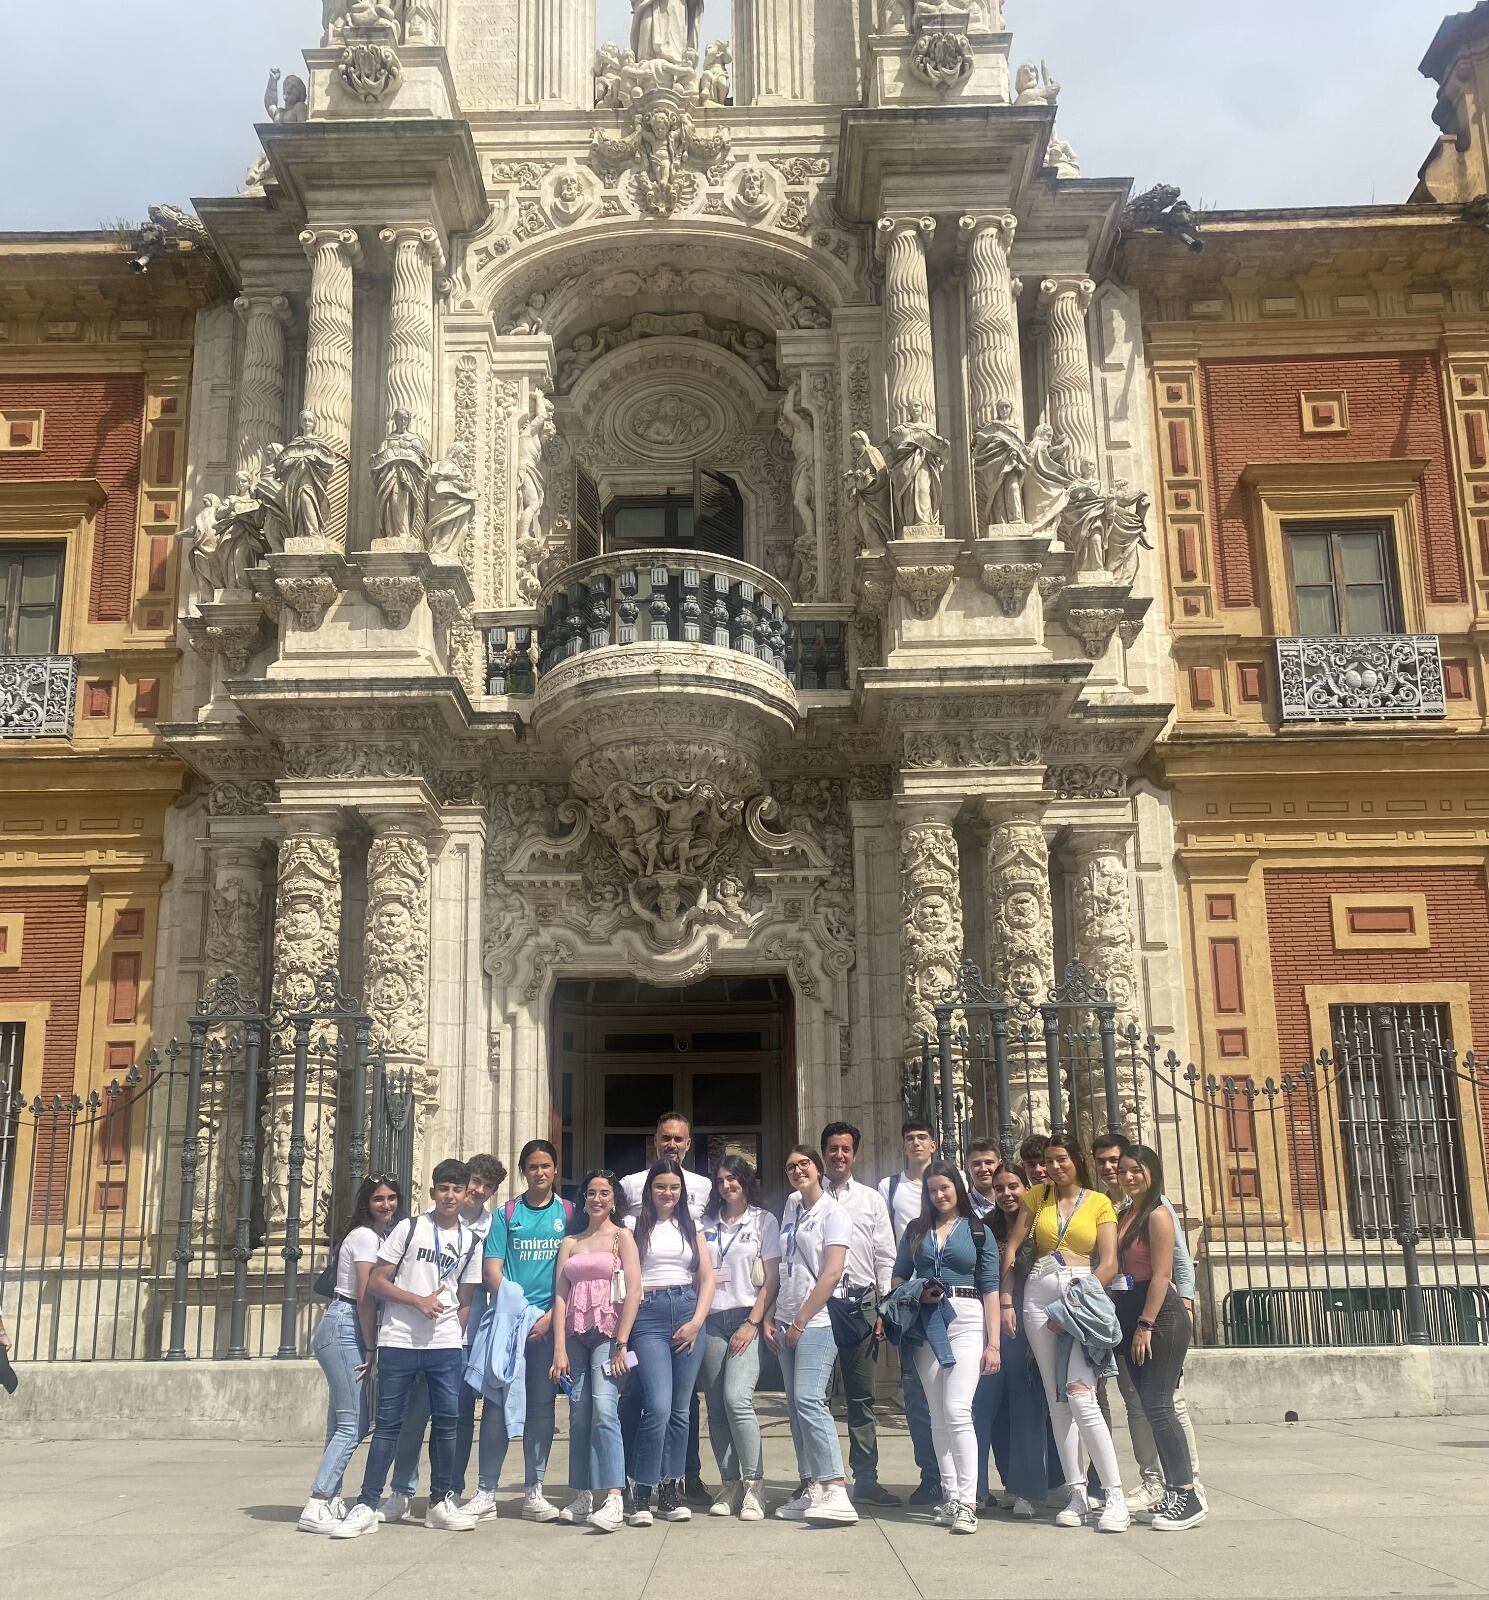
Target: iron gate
[(171, 1212)]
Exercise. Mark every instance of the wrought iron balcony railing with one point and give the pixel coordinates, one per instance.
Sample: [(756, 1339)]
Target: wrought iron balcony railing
[(1381, 677), (36, 696), (655, 596)]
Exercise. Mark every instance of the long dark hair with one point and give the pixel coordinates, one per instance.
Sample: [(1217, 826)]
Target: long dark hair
[(737, 1167), (683, 1216), (362, 1217), (1135, 1221), (579, 1217), (928, 1213), (1074, 1149)]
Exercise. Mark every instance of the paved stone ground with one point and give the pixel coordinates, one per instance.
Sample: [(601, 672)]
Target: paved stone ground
[(1358, 1509)]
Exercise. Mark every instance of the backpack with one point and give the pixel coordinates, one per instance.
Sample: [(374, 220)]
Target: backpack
[(409, 1241)]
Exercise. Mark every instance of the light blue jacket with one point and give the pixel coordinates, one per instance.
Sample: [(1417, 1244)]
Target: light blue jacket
[(497, 1364), (1085, 1315)]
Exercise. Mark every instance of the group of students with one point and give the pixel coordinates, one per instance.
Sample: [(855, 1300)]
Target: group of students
[(1013, 1293)]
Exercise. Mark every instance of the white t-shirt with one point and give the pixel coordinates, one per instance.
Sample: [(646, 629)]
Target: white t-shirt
[(734, 1248), (669, 1262), (698, 1190), (434, 1261), (906, 1206), (805, 1238), (361, 1244)]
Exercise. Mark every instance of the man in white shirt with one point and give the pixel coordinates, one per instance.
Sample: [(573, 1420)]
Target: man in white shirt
[(673, 1142), (983, 1161), (865, 1279), (902, 1195), (425, 1274)]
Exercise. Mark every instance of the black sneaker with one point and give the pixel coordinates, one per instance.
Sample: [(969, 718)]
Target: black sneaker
[(670, 1507), (1182, 1509), (927, 1493), (870, 1492), (696, 1491)]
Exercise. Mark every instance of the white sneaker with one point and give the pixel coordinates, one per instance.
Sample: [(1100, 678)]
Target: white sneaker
[(482, 1504), (394, 1508), (751, 1506), (795, 1509), (727, 1501), (831, 1505), (359, 1520), (1200, 1495), (610, 1516), (963, 1519), (1115, 1517), (447, 1517), (1146, 1498), (1076, 1509), (579, 1508), (535, 1508), (1022, 1509), (338, 1507), (318, 1517), (944, 1514)]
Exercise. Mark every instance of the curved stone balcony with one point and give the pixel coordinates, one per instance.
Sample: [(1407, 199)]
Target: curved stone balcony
[(665, 640)]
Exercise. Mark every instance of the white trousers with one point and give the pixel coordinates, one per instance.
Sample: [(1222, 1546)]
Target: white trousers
[(948, 1393), (1077, 1419)]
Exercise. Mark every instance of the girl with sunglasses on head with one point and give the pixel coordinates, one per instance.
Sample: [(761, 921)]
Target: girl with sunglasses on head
[(956, 1254), (596, 1295), (344, 1341), (1075, 1238), (677, 1290), (744, 1244), (816, 1231), (1155, 1329)]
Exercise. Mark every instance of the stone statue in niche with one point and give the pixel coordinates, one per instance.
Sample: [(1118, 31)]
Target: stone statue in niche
[(295, 108), (664, 29), (1034, 86), (1000, 458), (1083, 527), (917, 457), (868, 487), (713, 75), (451, 504), (400, 473), (305, 467), (1047, 481), (533, 435), (795, 425)]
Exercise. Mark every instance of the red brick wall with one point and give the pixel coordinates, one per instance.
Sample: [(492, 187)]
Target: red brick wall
[(51, 969), (93, 430), (1301, 939), (1395, 410)]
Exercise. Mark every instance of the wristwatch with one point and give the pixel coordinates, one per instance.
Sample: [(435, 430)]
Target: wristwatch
[(1143, 1322)]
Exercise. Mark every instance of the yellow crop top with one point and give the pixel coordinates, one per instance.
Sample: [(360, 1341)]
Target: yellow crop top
[(1080, 1236)]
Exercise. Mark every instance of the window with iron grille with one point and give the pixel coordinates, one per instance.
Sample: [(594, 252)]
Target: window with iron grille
[(12, 1048), (1424, 1042)]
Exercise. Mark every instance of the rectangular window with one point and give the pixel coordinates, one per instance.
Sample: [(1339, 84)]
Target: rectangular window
[(12, 1049), (1343, 581), (1423, 1040), (33, 599)]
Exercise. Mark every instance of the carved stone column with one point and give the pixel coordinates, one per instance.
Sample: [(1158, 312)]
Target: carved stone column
[(396, 955), (1103, 939), (417, 256), (261, 392), (334, 255), (908, 353), (930, 916), (307, 944), (1072, 407), (993, 371)]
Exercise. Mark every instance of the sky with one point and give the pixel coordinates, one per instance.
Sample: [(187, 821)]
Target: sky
[(1239, 102)]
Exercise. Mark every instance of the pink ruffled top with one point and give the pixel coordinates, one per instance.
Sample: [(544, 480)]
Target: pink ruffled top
[(590, 1307)]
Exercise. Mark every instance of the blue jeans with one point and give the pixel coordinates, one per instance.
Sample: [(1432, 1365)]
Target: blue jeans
[(338, 1348), (397, 1370), (537, 1426), (411, 1439), (807, 1371), (729, 1384), (668, 1378), (596, 1459), (918, 1419), (1010, 1416)]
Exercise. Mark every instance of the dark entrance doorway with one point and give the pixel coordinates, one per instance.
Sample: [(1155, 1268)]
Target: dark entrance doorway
[(718, 1051)]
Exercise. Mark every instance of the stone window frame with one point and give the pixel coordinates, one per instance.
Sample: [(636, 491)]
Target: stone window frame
[(58, 511)]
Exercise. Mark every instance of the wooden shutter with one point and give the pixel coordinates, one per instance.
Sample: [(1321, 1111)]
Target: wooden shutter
[(718, 514), (586, 515)]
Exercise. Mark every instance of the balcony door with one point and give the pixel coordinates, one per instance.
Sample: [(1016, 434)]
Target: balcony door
[(33, 599), (1343, 579)]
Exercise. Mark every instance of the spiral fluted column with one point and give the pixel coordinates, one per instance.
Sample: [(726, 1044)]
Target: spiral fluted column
[(908, 352), (261, 392), (1072, 406), (416, 258), (334, 254), (993, 368)]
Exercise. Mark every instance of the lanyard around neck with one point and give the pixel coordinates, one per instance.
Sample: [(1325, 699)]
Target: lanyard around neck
[(739, 1227)]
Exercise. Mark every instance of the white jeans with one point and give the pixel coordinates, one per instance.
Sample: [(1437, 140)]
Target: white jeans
[(1077, 1419), (948, 1392)]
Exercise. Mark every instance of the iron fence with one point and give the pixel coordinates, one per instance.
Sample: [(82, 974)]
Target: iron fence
[(1342, 1201), (171, 1212)]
